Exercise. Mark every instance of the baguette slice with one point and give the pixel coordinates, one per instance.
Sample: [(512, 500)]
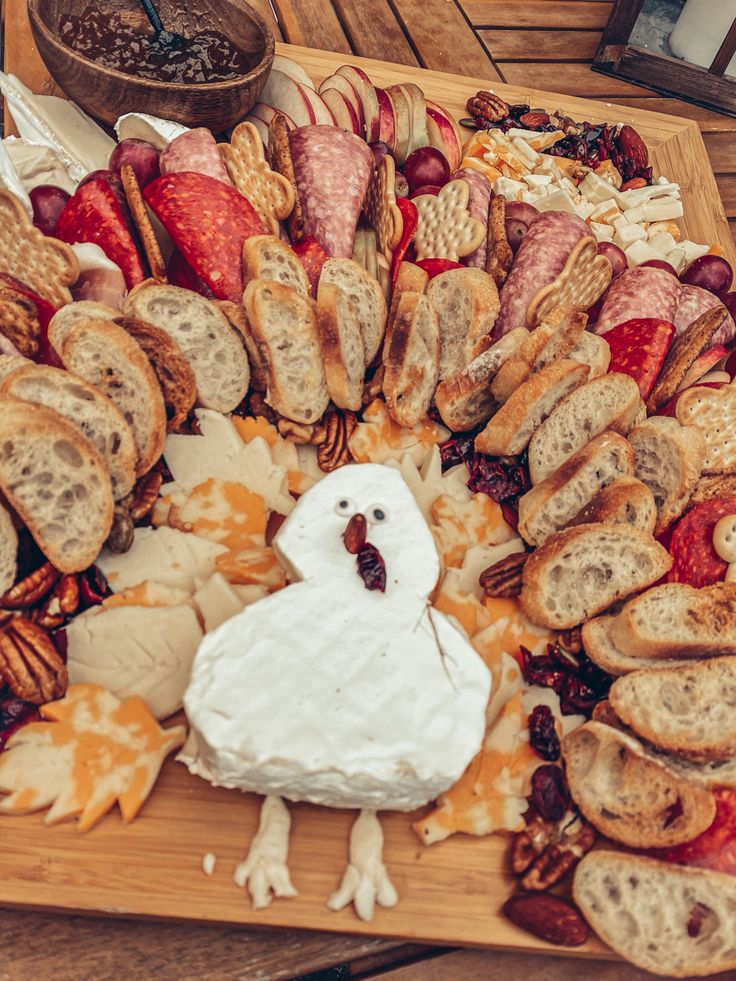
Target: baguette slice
[(267, 257), (412, 360), (669, 458), (212, 347), (707, 488), (466, 400), (11, 362), (342, 346), (365, 296), (629, 796), (690, 709), (95, 415), (647, 912), (626, 501), (679, 621), (284, 326), (609, 402), (593, 350), (56, 481), (582, 571), (8, 550), (511, 428), (103, 354), (600, 648), (467, 304), (556, 336), (410, 278), (552, 504), (65, 318)]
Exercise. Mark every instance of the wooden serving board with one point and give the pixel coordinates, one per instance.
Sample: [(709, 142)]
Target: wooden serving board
[(450, 893)]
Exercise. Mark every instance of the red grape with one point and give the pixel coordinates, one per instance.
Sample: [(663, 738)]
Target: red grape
[(729, 302), (516, 229), (711, 272), (380, 150), (615, 256), (661, 264), (141, 156), (425, 189), (426, 166), (521, 211), (48, 202)]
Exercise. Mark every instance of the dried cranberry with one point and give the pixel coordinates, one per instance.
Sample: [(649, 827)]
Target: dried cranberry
[(519, 110), (579, 683), (93, 587), (698, 914), (456, 450), (541, 670), (371, 567), (14, 713), (577, 698), (550, 793), (502, 482), (543, 736)]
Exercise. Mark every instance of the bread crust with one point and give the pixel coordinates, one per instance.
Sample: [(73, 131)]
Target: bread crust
[(334, 321), (683, 354), (409, 381), (254, 262), (627, 501), (484, 303), (600, 648)]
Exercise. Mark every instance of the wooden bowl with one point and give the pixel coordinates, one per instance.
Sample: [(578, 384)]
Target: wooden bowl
[(106, 94)]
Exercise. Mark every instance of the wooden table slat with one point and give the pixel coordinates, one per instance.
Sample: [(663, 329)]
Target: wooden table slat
[(533, 45), (374, 30), (572, 79), (312, 23), (265, 9), (562, 14)]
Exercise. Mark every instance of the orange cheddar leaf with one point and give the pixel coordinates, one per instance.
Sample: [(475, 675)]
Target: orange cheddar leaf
[(378, 438), (147, 593), (248, 428), (508, 631), (460, 525), (252, 567), (225, 512), (464, 607), (91, 751)]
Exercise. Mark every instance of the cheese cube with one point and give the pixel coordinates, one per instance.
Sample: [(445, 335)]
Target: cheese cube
[(667, 208), (663, 242), (537, 180), (597, 190), (634, 216), (605, 212), (619, 222), (692, 250), (657, 227), (567, 185), (628, 234), (525, 150), (640, 252), (603, 233), (557, 201), (511, 189), (676, 259), (547, 165), (584, 208)]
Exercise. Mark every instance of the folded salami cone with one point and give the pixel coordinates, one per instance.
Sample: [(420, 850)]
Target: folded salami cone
[(93, 214), (209, 222)]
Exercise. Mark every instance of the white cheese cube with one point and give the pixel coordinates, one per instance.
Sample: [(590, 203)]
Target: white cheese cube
[(667, 208), (511, 190), (597, 190), (567, 185), (634, 216), (676, 259), (692, 250), (603, 233), (547, 165), (657, 227), (606, 212), (584, 208), (619, 222), (640, 252), (529, 153), (556, 201), (663, 242), (537, 180), (628, 234)]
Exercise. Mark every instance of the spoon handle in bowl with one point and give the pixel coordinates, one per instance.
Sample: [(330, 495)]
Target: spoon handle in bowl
[(153, 15)]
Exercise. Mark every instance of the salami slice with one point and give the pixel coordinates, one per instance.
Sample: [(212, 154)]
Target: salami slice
[(208, 222), (195, 151), (695, 301), (312, 256), (332, 169), (643, 292), (715, 848), (478, 205), (695, 561), (539, 261)]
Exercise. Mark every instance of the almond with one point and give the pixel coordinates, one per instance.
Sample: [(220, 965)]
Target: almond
[(547, 916), (633, 147)]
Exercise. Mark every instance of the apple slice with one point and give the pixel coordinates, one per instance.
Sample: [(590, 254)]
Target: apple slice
[(367, 93), (402, 121), (387, 129), (418, 128), (266, 113), (450, 135), (260, 126), (293, 69), (320, 109), (286, 95), (342, 110), (346, 90)]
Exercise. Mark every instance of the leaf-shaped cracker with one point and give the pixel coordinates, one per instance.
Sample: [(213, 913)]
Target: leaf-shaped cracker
[(583, 280), (94, 750), (271, 194), (380, 207), (48, 266), (445, 229)]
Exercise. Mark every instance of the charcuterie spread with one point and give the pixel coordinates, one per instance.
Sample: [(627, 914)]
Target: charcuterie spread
[(401, 459)]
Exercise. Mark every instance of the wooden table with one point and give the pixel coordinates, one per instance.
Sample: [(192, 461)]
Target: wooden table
[(546, 43)]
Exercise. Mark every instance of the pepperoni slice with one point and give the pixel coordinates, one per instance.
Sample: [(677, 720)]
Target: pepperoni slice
[(694, 559), (638, 348), (716, 847), (312, 256)]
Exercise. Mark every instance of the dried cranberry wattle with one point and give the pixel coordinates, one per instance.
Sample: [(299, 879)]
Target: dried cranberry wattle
[(371, 567), (550, 793), (543, 736)]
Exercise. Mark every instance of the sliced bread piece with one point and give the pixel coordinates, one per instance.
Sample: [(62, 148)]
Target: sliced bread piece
[(582, 571), (84, 405), (593, 350), (689, 709), (365, 295), (552, 504), (669, 458), (467, 304), (105, 355), (268, 257), (466, 400), (511, 428), (670, 919), (341, 340), (70, 314), (627, 795), (284, 326), (56, 481), (11, 362), (212, 347), (610, 402), (412, 360), (410, 278), (8, 550), (677, 620), (707, 488), (556, 336), (600, 648), (625, 501)]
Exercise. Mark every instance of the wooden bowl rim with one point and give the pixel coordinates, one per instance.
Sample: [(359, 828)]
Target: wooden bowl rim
[(151, 84)]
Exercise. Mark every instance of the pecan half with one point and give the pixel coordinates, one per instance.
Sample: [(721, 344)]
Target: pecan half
[(485, 105), (543, 854), (32, 589), (141, 500), (568, 126), (331, 437), (503, 578), (298, 432), (259, 407), (62, 603), (30, 664)]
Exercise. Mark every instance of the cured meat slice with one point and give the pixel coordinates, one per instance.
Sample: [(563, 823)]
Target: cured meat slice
[(695, 560), (478, 205), (208, 222), (332, 169), (541, 257), (695, 301), (643, 292), (638, 349), (195, 151)]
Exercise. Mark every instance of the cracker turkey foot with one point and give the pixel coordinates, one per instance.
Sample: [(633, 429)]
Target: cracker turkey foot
[(264, 871), (365, 881)]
